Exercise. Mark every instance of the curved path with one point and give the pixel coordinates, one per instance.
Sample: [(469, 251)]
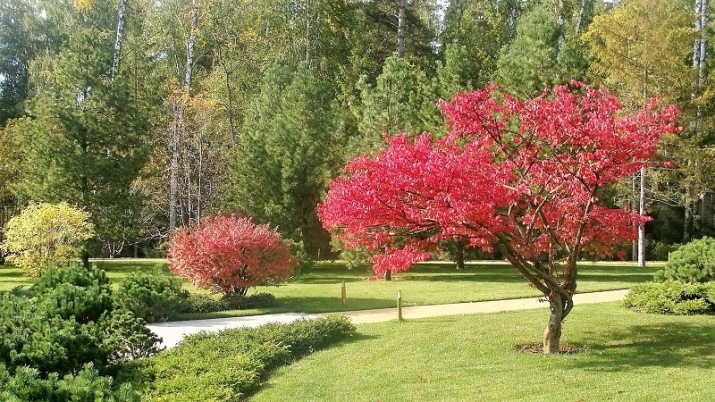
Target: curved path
[(173, 332)]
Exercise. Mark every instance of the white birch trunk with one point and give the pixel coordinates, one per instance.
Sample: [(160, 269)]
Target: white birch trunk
[(579, 19), (177, 125), (118, 39)]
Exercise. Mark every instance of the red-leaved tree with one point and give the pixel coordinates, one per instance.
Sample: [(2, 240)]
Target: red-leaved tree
[(230, 254), (519, 177)]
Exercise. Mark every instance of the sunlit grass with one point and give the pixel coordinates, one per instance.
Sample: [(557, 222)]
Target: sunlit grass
[(426, 284), (627, 357)]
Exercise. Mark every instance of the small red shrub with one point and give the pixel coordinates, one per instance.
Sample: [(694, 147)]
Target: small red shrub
[(230, 254)]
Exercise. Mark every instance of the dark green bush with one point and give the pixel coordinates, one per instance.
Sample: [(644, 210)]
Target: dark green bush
[(256, 300), (74, 274), (672, 297), (229, 365), (61, 326), (86, 386), (693, 262), (152, 297), (201, 303)]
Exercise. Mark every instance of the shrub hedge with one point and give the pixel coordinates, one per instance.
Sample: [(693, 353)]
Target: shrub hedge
[(693, 262), (230, 365), (152, 297), (64, 334), (672, 297)]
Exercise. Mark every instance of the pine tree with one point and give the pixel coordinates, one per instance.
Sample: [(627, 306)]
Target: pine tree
[(85, 140), (288, 153)]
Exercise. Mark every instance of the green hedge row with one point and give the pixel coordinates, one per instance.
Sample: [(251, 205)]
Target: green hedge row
[(230, 365), (672, 297), (156, 298)]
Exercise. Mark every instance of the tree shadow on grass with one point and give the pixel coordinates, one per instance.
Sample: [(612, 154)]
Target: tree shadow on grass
[(296, 304), (327, 280), (13, 274), (674, 344), (615, 277), (491, 277)]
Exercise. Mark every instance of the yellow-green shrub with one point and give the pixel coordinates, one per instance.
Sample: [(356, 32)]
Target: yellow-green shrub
[(45, 236)]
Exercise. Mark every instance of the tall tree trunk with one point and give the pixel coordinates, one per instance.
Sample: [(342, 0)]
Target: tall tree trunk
[(562, 31), (178, 121), (121, 14), (641, 227), (579, 19), (687, 221), (699, 47), (699, 53), (401, 29), (513, 16)]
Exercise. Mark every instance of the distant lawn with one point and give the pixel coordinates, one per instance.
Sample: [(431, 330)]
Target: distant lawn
[(429, 283), (628, 357)]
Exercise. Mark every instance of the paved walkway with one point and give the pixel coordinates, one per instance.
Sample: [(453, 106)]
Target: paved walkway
[(173, 332)]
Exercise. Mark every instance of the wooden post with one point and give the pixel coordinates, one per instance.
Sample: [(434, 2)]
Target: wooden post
[(399, 305), (344, 294)]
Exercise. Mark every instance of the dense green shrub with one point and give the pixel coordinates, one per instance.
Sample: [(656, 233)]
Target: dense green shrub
[(660, 251), (672, 297), (86, 386), (693, 262), (61, 326), (202, 303), (229, 365), (256, 300), (152, 297)]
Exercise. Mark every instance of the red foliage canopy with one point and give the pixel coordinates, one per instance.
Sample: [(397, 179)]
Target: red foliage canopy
[(230, 254), (518, 176)]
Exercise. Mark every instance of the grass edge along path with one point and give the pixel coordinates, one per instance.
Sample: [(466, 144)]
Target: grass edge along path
[(430, 283), (626, 356)]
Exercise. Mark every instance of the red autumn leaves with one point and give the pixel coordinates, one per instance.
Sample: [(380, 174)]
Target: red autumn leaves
[(521, 177)]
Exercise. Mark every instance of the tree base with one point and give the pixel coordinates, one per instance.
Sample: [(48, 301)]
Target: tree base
[(538, 348)]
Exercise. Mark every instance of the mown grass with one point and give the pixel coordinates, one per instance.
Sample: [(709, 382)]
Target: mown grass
[(626, 357), (426, 284)]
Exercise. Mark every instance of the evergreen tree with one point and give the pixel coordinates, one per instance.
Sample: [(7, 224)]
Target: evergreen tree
[(540, 55), (402, 101), (288, 153), (85, 139)]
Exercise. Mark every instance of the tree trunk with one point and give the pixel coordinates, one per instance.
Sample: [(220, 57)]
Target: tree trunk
[(388, 275), (121, 14), (401, 29), (552, 334), (641, 228), (687, 222), (459, 255), (178, 122), (562, 32), (513, 16), (579, 19), (699, 47)]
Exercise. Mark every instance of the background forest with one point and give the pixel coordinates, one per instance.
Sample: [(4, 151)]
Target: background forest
[(150, 115)]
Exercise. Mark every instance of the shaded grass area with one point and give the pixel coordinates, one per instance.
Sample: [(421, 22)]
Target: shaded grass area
[(626, 357), (426, 284)]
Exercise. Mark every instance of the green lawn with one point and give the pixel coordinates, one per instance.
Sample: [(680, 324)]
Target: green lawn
[(627, 357), (430, 283)]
